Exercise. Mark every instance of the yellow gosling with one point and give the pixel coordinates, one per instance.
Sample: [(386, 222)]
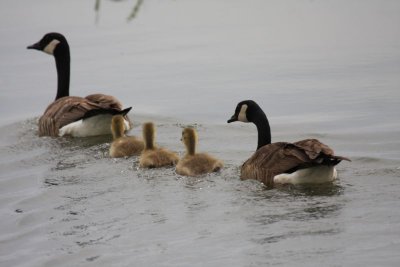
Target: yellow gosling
[(194, 164), (153, 156), (123, 146)]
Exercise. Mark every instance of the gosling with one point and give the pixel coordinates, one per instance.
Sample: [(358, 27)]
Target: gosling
[(192, 163), (152, 155), (123, 146)]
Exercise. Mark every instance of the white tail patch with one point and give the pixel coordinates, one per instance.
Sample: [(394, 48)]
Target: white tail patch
[(242, 114), (317, 175), (96, 125), (49, 49)]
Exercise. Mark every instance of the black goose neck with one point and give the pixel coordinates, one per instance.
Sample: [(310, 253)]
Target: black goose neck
[(263, 128), (63, 61)]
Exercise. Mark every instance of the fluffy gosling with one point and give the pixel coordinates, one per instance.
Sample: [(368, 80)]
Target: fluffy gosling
[(192, 163), (123, 146), (153, 156)]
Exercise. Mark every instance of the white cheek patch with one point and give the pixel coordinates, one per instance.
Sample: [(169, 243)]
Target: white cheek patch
[(49, 49), (242, 114)]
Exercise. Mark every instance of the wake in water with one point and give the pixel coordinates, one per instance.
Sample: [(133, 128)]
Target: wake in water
[(69, 203)]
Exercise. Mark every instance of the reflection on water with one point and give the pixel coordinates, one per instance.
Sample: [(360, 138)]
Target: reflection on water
[(64, 202), (84, 142), (131, 16), (97, 9), (135, 10), (79, 184), (277, 238), (294, 212), (326, 189)]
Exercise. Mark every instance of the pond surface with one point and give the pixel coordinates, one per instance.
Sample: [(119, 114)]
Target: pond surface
[(326, 70)]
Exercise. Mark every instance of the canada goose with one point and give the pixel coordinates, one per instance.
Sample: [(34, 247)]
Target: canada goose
[(193, 164), (153, 156), (305, 161), (72, 115), (123, 146)]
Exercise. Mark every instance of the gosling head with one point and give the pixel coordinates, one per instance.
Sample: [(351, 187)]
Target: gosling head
[(189, 139), (52, 43), (149, 134), (246, 111)]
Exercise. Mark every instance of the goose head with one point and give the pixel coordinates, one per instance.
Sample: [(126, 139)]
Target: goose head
[(51, 43), (246, 111), (250, 111)]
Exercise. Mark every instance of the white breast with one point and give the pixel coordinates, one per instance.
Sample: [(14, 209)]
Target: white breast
[(318, 174), (96, 125)]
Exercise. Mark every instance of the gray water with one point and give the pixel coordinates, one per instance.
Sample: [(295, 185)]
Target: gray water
[(320, 69)]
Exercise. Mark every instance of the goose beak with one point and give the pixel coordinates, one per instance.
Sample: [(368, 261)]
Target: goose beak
[(232, 119), (34, 46)]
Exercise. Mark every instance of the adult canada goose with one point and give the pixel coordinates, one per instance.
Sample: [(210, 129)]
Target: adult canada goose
[(193, 164), (152, 155), (123, 146), (305, 161), (72, 115)]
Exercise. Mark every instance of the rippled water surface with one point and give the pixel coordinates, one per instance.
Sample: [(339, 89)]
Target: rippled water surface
[(320, 69)]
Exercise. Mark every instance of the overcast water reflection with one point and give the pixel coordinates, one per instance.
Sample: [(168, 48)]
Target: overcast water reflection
[(320, 69)]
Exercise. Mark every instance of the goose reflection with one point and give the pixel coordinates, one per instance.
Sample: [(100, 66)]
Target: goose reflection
[(132, 15)]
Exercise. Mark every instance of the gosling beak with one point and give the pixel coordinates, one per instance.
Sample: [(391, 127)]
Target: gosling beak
[(233, 119), (34, 46)]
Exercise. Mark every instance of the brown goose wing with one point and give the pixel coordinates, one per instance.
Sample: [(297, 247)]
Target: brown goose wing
[(282, 157), (65, 111), (271, 160), (314, 148), (319, 152), (108, 102), (105, 101)]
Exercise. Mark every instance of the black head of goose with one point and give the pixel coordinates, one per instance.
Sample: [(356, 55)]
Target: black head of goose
[(72, 115), (305, 161)]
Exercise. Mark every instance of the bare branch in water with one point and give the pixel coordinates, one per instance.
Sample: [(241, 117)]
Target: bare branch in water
[(132, 15), (97, 6), (97, 11)]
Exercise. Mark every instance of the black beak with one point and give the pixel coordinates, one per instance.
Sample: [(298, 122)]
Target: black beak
[(34, 46), (232, 119)]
